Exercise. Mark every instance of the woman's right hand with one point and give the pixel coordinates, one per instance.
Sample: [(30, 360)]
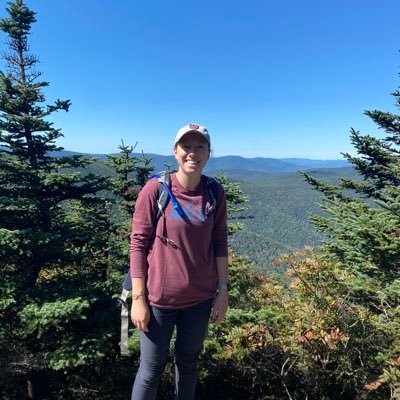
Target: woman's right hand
[(140, 314)]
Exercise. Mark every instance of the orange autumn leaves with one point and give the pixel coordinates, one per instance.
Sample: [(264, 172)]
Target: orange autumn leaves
[(330, 339)]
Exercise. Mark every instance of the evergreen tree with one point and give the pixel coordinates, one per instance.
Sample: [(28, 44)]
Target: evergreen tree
[(125, 165), (363, 222), (131, 173), (52, 241), (235, 202), (362, 230), (32, 184), (144, 170)]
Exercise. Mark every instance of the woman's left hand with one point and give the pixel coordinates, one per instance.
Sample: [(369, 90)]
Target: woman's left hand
[(220, 307)]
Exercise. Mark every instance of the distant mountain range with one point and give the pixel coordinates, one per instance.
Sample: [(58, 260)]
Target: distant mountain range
[(229, 163)]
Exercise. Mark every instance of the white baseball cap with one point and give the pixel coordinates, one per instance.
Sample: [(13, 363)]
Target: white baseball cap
[(202, 130)]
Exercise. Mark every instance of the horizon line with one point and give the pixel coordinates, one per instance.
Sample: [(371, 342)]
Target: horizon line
[(228, 155)]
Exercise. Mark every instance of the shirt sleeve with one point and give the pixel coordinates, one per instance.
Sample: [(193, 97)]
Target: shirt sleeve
[(143, 229), (220, 231)]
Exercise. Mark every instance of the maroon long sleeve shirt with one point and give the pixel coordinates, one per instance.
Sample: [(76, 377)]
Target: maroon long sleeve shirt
[(180, 271)]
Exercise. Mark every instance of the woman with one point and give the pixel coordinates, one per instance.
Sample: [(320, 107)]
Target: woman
[(177, 267)]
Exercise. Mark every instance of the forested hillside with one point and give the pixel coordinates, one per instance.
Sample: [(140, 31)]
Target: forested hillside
[(280, 209)]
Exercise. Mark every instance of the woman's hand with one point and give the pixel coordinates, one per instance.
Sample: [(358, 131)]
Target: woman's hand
[(220, 307), (140, 314)]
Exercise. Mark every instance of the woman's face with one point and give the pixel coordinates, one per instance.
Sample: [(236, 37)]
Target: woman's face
[(192, 153)]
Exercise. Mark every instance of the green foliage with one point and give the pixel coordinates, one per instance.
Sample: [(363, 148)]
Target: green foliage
[(235, 202), (32, 187), (123, 183), (53, 231), (52, 316), (298, 338), (74, 352), (362, 226), (51, 322), (128, 175)]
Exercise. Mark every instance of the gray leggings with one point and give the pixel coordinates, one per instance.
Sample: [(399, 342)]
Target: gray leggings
[(191, 327)]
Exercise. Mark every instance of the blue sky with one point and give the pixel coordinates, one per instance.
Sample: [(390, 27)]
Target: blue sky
[(269, 79)]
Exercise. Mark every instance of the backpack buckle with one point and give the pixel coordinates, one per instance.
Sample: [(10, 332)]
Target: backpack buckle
[(122, 301)]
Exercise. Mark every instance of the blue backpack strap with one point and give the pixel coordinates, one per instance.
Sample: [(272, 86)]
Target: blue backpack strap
[(165, 194)]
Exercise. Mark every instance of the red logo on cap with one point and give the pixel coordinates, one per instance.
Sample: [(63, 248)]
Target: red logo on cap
[(194, 126)]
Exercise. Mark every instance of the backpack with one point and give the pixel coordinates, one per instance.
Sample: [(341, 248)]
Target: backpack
[(163, 196)]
